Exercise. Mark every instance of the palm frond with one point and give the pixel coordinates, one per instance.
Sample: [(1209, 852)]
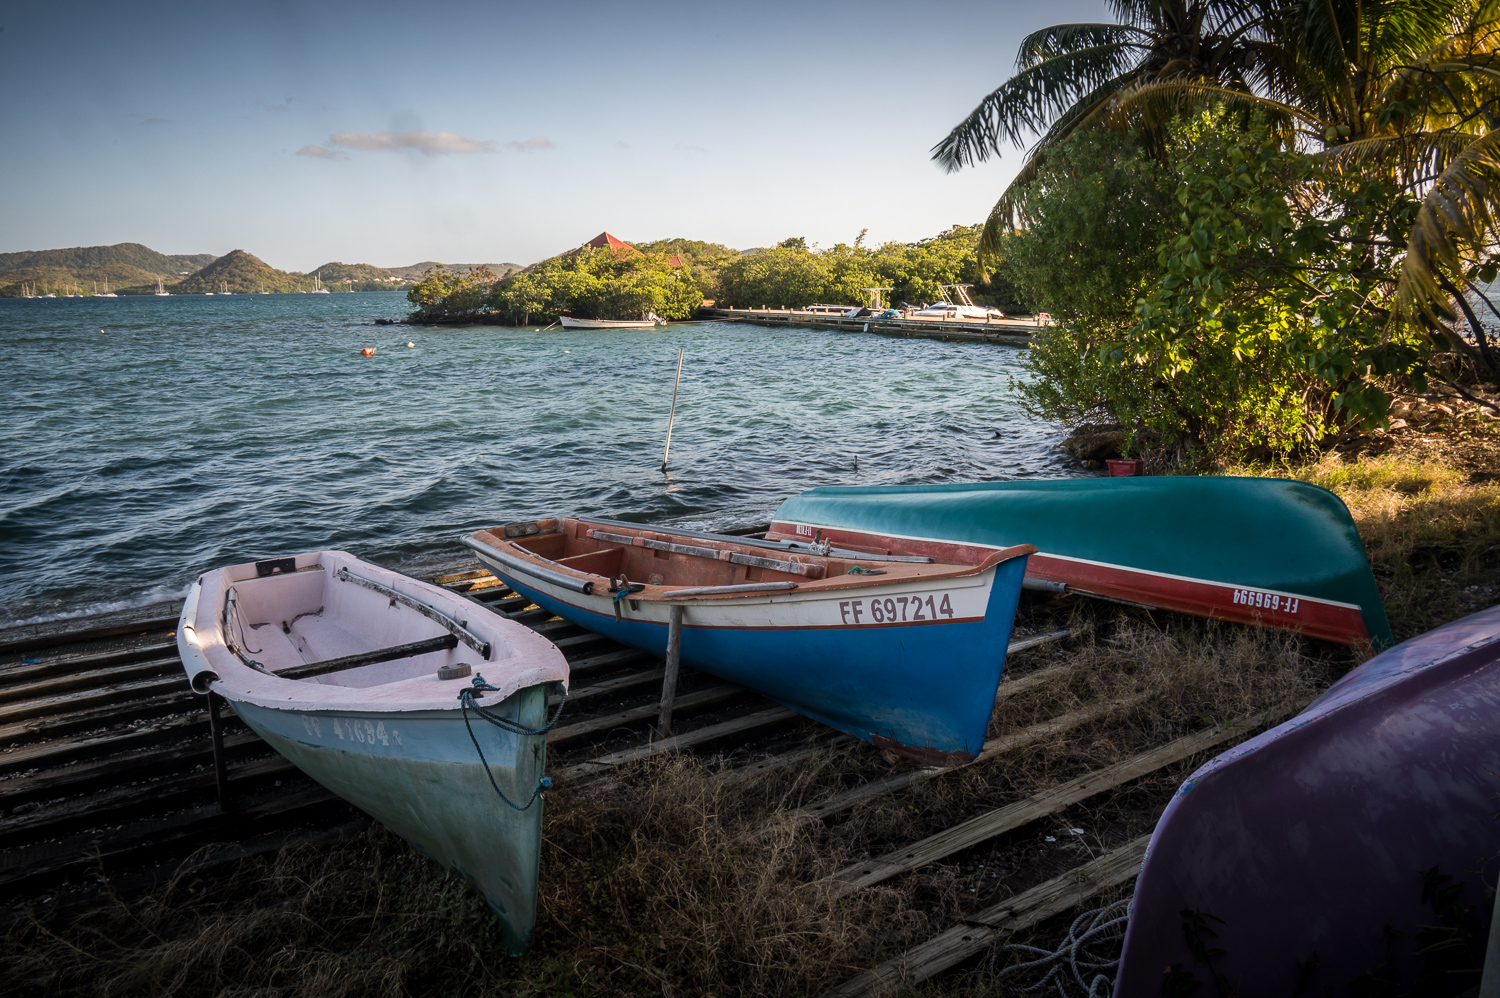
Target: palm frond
[(1408, 157), (1457, 217), (1060, 39), (1090, 111), (1151, 104), (1030, 102)]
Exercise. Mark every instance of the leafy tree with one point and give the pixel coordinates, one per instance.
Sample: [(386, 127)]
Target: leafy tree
[(783, 276), (446, 295), (1251, 329), (597, 283), (791, 275)]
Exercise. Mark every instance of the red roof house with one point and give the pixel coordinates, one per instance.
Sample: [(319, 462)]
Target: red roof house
[(606, 241)]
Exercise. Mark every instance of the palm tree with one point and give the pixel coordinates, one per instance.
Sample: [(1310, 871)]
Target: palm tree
[(1403, 90), (1072, 77)]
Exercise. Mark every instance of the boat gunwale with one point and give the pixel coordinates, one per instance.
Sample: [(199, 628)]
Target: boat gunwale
[(494, 537), (534, 659)]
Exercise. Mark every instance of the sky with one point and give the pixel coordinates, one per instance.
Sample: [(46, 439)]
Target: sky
[(493, 132)]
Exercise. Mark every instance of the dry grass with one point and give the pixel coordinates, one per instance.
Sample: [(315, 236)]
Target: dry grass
[(673, 881), (670, 881)]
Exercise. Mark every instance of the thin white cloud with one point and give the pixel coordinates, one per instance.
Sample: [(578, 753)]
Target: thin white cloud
[(155, 121), (318, 152), (277, 107), (535, 142), (622, 145), (427, 143), (679, 147)]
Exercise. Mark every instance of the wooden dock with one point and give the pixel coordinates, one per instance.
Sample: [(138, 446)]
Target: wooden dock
[(108, 782), (1006, 332)]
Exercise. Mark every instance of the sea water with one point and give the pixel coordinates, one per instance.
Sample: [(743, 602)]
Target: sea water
[(145, 440)]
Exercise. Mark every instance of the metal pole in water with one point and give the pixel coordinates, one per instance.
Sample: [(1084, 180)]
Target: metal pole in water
[(674, 665), (671, 418)]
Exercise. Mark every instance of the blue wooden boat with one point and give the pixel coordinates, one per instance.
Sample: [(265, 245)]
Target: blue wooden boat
[(1264, 551), (369, 682), (902, 652), (1321, 856)]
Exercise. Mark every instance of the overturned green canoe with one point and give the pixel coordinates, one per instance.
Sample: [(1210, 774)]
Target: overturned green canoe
[(1265, 551)]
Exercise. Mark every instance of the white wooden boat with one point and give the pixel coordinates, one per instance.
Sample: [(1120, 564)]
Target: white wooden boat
[(900, 651), (568, 322), (370, 683)]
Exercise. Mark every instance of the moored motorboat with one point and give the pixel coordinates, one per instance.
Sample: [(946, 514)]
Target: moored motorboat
[(1348, 851), (1265, 551), (650, 322), (370, 683), (902, 652)]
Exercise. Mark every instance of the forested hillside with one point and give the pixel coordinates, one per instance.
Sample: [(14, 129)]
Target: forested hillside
[(124, 265)]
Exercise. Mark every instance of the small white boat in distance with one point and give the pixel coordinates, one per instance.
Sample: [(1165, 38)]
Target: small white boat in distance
[(370, 683), (162, 292), (568, 322), (963, 309)]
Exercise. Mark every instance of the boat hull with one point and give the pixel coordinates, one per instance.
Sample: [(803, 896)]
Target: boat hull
[(568, 322), (1269, 552), (1307, 850), (924, 687), (419, 775), (353, 673)]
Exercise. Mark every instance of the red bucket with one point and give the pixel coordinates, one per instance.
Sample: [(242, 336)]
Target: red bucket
[(1125, 467)]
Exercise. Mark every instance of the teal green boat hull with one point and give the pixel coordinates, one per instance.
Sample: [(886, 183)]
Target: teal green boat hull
[(1272, 552)]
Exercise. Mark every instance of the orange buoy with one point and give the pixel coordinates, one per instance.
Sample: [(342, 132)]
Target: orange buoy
[(368, 351)]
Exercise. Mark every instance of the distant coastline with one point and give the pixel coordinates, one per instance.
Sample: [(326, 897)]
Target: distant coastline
[(134, 269)]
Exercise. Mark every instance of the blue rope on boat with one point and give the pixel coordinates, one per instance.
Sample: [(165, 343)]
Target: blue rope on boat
[(466, 701), (478, 685)]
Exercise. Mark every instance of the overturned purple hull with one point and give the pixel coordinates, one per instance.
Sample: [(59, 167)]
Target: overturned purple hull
[(1302, 856)]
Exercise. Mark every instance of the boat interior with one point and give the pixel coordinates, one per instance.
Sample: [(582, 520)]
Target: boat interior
[(665, 557), (303, 613)]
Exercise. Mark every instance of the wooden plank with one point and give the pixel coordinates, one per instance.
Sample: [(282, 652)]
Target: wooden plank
[(41, 665), (63, 750), (102, 772), (1010, 687), (779, 761), (673, 667), (409, 650), (992, 823), (47, 861), (114, 715), (594, 725), (1037, 640), (574, 640), (1026, 909), (158, 617), (712, 732), (53, 680), (118, 804), (614, 684), (13, 713), (992, 748), (617, 657)]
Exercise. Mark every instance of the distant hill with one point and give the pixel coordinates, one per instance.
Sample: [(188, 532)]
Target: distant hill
[(242, 274), (366, 277), (131, 268), (415, 271), (124, 265)]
